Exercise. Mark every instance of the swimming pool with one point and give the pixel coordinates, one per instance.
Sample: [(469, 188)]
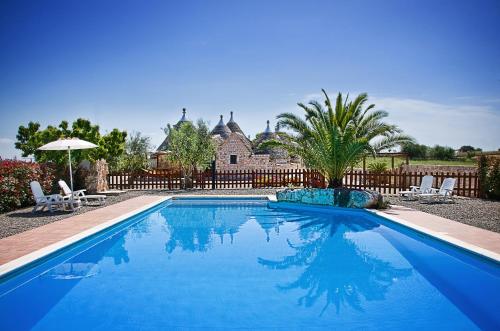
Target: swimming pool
[(236, 263)]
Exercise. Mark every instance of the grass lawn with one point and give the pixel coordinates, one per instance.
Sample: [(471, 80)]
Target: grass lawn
[(398, 161), (467, 162)]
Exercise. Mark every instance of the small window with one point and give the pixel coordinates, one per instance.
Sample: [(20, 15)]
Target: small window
[(233, 159)]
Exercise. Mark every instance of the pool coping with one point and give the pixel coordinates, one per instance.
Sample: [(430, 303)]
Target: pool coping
[(25, 260), (269, 197), (440, 235)]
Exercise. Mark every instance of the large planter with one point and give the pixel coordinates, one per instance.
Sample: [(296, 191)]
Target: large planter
[(341, 197)]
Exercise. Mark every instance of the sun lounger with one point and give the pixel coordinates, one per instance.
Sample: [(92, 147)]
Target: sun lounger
[(80, 194), (444, 193), (42, 201), (425, 187)]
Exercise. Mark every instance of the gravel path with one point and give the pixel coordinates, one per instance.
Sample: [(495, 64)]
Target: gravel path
[(476, 212), (480, 213), (23, 219)]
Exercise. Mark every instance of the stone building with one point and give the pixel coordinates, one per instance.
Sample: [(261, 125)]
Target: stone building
[(235, 151)]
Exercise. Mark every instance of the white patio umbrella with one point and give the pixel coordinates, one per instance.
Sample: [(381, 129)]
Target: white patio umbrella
[(67, 144)]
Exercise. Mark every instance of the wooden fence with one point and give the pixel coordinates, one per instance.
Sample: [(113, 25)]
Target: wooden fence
[(390, 182), (230, 179)]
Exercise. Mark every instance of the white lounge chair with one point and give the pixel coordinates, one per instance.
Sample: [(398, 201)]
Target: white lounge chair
[(51, 202), (444, 193), (425, 187), (80, 194)]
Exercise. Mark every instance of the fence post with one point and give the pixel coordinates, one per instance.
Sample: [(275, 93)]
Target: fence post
[(213, 175)]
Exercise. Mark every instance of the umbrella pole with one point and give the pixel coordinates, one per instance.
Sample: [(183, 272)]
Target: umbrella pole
[(70, 170), (71, 177)]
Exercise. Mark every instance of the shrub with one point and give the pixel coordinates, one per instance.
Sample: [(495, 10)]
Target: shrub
[(489, 177), (442, 153), (15, 177), (471, 155), (415, 151), (377, 167), (494, 181)]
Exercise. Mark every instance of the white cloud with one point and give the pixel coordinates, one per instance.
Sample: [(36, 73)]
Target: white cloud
[(435, 123), (312, 96), (431, 123)]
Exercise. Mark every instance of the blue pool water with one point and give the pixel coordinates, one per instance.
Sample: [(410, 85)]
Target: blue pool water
[(229, 264)]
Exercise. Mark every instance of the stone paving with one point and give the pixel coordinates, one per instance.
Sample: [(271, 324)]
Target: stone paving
[(476, 212), (482, 238)]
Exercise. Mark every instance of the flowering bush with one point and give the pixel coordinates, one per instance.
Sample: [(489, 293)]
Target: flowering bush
[(489, 177), (15, 178)]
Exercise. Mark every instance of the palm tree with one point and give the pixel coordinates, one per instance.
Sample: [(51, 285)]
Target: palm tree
[(333, 139)]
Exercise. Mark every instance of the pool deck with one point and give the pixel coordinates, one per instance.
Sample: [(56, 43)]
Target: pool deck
[(472, 238), (28, 246)]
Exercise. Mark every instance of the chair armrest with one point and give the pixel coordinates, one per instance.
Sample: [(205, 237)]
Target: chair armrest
[(79, 193), (70, 197), (415, 189), (54, 197), (448, 192), (42, 199)]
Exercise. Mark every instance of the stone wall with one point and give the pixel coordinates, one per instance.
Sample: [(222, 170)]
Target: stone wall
[(339, 197), (237, 144), (97, 178), (438, 168)]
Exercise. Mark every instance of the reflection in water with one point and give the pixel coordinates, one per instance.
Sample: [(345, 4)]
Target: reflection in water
[(313, 266), (73, 271), (117, 251), (268, 224), (335, 267), (86, 264), (195, 234)]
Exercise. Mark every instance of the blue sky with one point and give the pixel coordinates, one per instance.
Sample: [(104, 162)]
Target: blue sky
[(434, 65)]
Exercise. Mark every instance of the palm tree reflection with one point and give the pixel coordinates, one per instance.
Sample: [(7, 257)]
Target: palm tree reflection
[(334, 266)]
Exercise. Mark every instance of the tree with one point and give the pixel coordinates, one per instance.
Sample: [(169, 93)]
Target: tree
[(190, 146), (442, 153), (114, 145), (30, 138), (333, 139), (136, 153), (468, 148), (415, 151)]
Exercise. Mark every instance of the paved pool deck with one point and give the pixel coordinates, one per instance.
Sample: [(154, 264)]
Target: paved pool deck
[(27, 246), (475, 239)]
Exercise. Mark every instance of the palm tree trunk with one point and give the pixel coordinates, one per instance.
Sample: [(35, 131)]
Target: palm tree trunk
[(335, 183)]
